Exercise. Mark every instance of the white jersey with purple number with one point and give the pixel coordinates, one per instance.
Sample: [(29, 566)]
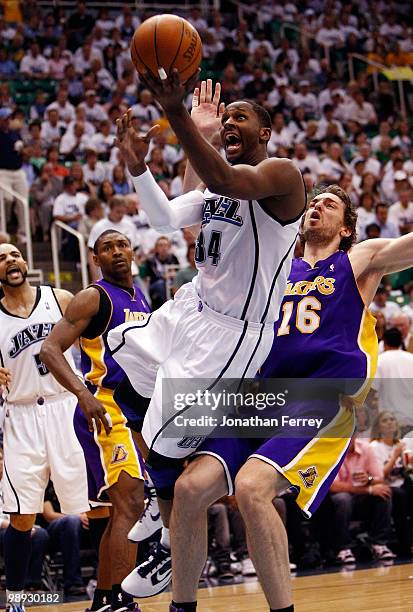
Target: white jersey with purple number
[(243, 256)]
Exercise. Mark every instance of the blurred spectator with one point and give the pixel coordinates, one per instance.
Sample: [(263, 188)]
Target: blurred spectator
[(94, 212), (79, 26), (365, 213), (94, 111), (388, 449), (403, 323), (11, 173), (401, 213), (120, 182), (186, 274), (69, 207), (105, 191), (52, 127), (34, 65), (65, 109), (394, 378), (387, 229), (74, 144), (408, 308), (372, 230), (8, 68), (145, 109), (43, 193), (156, 270), (93, 171), (358, 492), (178, 180), (381, 303), (333, 165)]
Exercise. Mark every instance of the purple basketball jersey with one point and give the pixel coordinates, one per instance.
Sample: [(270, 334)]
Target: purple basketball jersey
[(98, 366)]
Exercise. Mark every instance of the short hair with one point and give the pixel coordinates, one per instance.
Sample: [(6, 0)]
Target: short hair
[(262, 114), (393, 337), (350, 214), (103, 235), (116, 200), (372, 226), (92, 204)]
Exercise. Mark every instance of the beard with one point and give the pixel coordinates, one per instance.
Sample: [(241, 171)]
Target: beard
[(320, 236), (5, 281)]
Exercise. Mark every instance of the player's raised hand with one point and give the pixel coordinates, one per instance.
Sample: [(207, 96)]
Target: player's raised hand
[(5, 377), (94, 412), (206, 110), (134, 148), (168, 90)]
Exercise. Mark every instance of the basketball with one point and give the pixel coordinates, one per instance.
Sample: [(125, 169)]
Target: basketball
[(166, 41)]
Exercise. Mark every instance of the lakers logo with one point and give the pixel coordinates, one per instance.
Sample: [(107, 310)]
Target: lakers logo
[(308, 477), (119, 454)]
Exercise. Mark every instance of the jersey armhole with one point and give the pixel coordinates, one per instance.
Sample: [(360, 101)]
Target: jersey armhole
[(99, 323), (288, 221), (57, 301)]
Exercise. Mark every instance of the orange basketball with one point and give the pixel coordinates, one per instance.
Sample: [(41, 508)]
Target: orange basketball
[(166, 41)]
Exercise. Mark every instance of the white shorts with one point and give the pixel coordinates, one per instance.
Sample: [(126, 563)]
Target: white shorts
[(40, 443), (185, 339)]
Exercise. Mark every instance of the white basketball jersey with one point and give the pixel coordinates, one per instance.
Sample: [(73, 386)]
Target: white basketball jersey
[(244, 257), (20, 343)]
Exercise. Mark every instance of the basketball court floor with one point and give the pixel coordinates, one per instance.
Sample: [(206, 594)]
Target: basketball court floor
[(380, 589)]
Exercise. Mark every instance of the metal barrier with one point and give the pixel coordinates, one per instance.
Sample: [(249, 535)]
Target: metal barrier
[(34, 274), (3, 221), (55, 252)]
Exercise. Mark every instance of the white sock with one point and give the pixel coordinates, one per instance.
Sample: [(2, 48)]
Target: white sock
[(165, 539)]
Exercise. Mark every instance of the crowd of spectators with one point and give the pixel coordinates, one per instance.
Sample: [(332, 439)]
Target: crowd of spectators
[(292, 57), (340, 121)]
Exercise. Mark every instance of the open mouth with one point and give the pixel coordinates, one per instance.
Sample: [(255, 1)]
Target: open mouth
[(315, 216), (14, 272), (232, 142)]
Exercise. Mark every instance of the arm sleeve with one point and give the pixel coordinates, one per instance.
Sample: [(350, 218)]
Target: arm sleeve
[(164, 215)]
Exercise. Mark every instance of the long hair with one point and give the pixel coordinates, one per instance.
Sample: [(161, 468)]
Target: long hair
[(375, 428)]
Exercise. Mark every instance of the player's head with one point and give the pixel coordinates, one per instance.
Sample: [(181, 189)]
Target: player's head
[(113, 253), (13, 268), (245, 132), (330, 216)]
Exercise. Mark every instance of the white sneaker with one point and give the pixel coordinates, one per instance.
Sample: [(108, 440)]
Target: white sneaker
[(382, 553), (149, 522), (345, 556), (152, 576), (247, 567)]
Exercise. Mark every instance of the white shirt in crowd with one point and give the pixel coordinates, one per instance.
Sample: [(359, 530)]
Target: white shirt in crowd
[(66, 204), (394, 384), (35, 65), (383, 453), (399, 215), (66, 112), (388, 310)]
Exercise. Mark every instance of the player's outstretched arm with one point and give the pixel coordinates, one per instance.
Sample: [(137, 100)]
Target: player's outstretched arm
[(77, 317), (385, 255), (165, 216), (269, 179)]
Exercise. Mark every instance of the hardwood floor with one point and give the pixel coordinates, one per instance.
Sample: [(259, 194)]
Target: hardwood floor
[(383, 589)]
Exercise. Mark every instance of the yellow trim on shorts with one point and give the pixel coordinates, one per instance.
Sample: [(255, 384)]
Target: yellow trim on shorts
[(118, 452), (315, 462), (368, 344)]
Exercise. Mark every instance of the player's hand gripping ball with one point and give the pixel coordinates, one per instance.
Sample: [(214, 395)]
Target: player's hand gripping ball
[(165, 42)]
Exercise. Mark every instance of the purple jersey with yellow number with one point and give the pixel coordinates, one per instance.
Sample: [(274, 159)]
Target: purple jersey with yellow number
[(324, 329), (117, 305)]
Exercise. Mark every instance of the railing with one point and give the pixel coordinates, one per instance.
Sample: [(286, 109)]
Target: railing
[(3, 221), (55, 252), (379, 68)]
